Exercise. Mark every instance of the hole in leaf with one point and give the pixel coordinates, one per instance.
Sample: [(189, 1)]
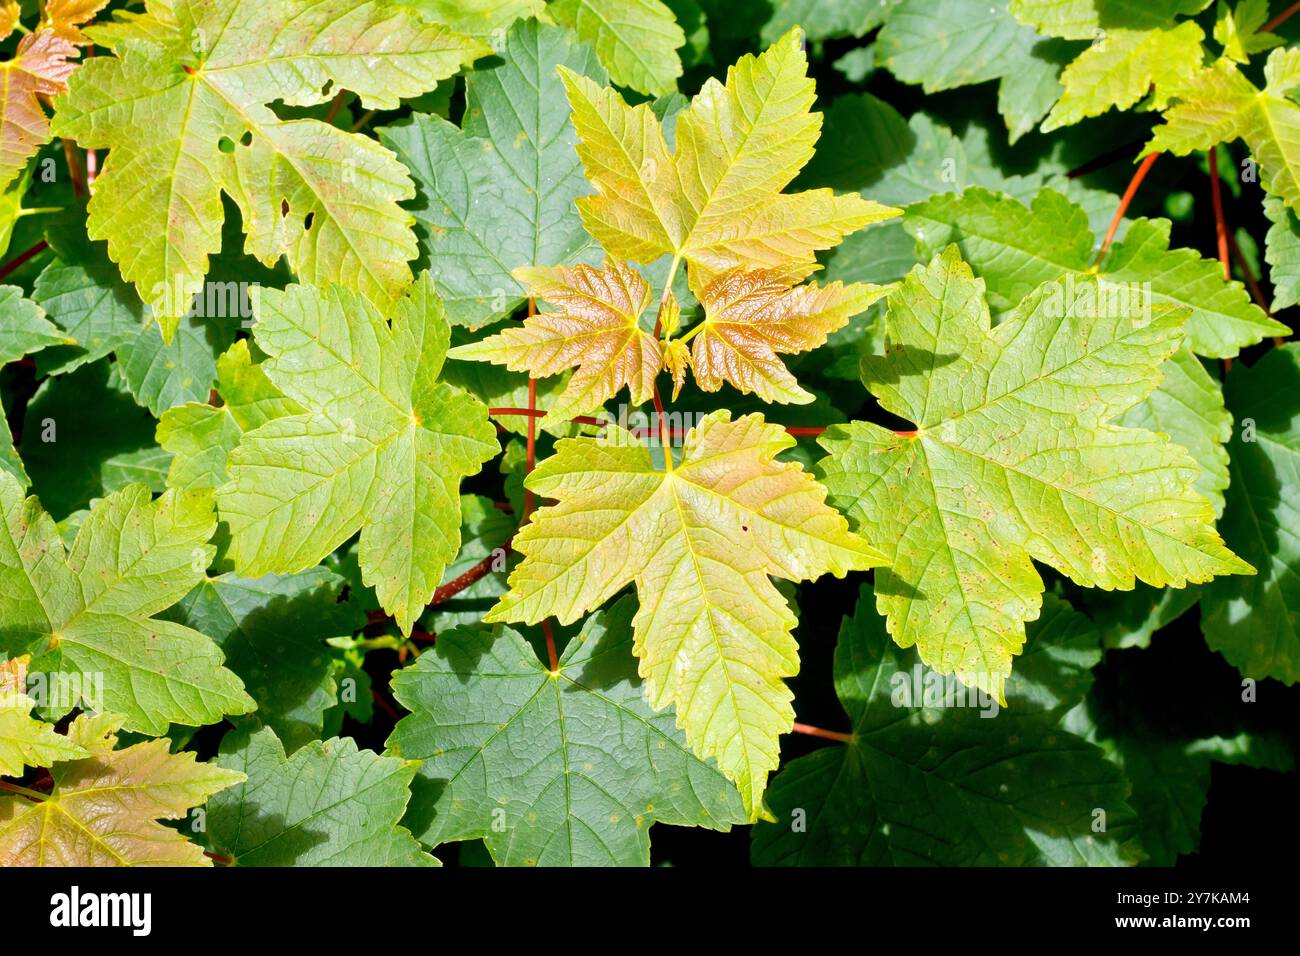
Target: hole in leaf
[(247, 138), (226, 144), (306, 223), (284, 208)]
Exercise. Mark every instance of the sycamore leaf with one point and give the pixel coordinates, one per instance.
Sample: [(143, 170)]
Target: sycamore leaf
[(701, 542), (934, 774), (66, 17), (1219, 105), (1237, 29), (1282, 251), (83, 293), (1187, 406), (636, 40), (1122, 67), (10, 12), (105, 808), (594, 328), (156, 23), (717, 201), (89, 609), (1014, 458), (24, 740), (328, 804), (751, 317), (570, 767), (1255, 622), (381, 446), (944, 44), (272, 632), (325, 199), (23, 326), (1015, 248), (201, 436), (677, 359), (40, 67), (1087, 19), (499, 193), (826, 19), (483, 19)]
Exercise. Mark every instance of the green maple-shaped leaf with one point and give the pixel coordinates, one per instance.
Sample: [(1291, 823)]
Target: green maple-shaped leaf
[(23, 326), (24, 740), (498, 193), (104, 809), (569, 767), (1255, 622), (826, 19), (1238, 29), (717, 200), (381, 445), (329, 803), (200, 436), (85, 295), (636, 40), (272, 631), (324, 198), (1014, 456), (944, 44), (89, 609), (1137, 48), (1282, 252), (1015, 248), (1122, 68), (701, 542), (1085, 19), (1187, 406), (1219, 104), (934, 774), (484, 19)]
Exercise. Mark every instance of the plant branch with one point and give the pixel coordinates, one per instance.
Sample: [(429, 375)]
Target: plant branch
[(1220, 222), (469, 577), (812, 731), (335, 105), (74, 167), (1281, 18), (32, 795), (1129, 193), (16, 262)]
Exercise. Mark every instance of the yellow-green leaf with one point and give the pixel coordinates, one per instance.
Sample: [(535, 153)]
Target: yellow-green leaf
[(1015, 457), (717, 202), (701, 543)]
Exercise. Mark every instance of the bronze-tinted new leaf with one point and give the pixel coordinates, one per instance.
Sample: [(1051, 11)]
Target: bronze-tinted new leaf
[(594, 327), (752, 317), (40, 67), (66, 17), (105, 808)]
